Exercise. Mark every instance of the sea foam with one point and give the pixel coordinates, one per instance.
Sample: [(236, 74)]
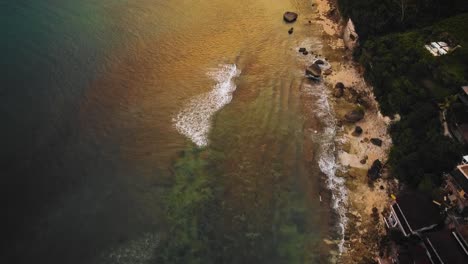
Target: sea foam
[(194, 120), (327, 160)]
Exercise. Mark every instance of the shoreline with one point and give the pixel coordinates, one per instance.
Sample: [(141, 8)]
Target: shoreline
[(365, 201)]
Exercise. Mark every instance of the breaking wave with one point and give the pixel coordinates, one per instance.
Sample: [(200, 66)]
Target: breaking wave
[(194, 120), (327, 159), (139, 251)]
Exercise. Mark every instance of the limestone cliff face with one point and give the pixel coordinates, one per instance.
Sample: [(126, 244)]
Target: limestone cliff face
[(350, 37)]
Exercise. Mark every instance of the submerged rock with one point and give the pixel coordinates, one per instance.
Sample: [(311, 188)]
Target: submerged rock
[(374, 172), (290, 17), (354, 115)]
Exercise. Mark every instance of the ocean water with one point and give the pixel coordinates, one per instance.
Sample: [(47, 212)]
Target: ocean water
[(159, 131)]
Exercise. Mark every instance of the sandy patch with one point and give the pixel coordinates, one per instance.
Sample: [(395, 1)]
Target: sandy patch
[(366, 201)]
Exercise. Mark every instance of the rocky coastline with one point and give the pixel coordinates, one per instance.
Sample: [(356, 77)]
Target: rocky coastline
[(363, 142)]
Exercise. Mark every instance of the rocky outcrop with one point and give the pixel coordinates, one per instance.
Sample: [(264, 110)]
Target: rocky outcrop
[(352, 95), (290, 17), (364, 160), (350, 37), (338, 93), (319, 62), (376, 141), (339, 85), (339, 90), (357, 131), (313, 71), (354, 115), (374, 172)]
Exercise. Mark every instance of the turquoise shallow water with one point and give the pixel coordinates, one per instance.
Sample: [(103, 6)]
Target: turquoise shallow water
[(96, 164)]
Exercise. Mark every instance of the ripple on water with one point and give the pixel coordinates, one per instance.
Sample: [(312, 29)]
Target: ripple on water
[(194, 120)]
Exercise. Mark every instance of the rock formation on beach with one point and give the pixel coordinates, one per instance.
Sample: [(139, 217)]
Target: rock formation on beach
[(313, 71), (354, 116), (290, 17)]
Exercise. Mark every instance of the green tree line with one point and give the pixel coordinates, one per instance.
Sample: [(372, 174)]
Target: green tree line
[(409, 81)]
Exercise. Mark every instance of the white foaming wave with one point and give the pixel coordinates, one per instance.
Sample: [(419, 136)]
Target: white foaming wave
[(311, 44), (327, 162), (194, 120), (139, 251)]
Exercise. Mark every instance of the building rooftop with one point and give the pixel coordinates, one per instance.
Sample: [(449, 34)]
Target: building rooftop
[(446, 246), (465, 89), (460, 176), (437, 48), (418, 210), (464, 170), (413, 253), (400, 216)]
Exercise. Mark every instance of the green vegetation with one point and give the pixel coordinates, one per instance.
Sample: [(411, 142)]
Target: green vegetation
[(409, 81), (380, 17)]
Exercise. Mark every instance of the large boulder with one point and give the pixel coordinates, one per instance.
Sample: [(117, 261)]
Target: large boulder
[(290, 31), (357, 131), (290, 17), (327, 71), (339, 85), (374, 172), (351, 95), (350, 37), (339, 90), (354, 115), (319, 62), (338, 93), (376, 141), (313, 71)]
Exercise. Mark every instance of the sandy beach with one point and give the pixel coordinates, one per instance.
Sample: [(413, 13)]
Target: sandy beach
[(356, 153)]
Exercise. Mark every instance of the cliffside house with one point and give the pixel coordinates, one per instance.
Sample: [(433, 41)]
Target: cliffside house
[(446, 246), (413, 213), (457, 188), (411, 253), (438, 48), (465, 159)]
